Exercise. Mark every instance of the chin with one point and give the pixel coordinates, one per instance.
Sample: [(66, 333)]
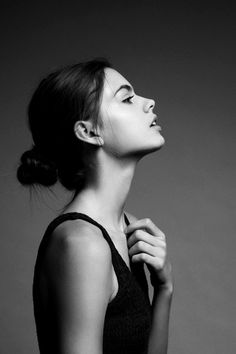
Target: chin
[(162, 142), (152, 148), (159, 142)]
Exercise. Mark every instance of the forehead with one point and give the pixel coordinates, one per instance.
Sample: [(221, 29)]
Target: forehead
[(112, 81)]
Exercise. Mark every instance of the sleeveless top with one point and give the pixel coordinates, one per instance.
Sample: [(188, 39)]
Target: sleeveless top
[(127, 321)]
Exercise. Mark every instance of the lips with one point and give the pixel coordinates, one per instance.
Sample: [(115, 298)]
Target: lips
[(154, 120)]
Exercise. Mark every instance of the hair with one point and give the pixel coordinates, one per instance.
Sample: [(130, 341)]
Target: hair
[(65, 96)]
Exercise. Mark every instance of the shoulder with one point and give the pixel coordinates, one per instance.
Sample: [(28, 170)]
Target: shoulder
[(78, 276), (80, 244), (77, 232), (131, 217)]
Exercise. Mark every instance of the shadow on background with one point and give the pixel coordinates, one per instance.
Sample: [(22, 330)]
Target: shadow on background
[(181, 55)]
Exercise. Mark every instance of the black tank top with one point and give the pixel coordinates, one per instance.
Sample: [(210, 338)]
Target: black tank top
[(128, 316)]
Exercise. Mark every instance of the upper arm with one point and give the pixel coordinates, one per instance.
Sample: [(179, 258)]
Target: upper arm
[(79, 274)]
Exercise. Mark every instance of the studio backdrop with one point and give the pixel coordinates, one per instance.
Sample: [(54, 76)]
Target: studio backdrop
[(181, 54)]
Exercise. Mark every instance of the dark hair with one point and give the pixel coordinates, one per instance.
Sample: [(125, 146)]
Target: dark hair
[(65, 96)]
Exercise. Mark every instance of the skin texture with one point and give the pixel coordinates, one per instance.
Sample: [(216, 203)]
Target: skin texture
[(79, 273), (147, 243), (78, 266), (125, 138), (126, 117)]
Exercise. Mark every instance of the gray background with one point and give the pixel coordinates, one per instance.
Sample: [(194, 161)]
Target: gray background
[(182, 55)]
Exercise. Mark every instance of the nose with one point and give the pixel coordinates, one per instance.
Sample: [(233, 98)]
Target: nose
[(149, 105)]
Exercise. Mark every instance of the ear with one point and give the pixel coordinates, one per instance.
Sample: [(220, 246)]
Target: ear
[(85, 131)]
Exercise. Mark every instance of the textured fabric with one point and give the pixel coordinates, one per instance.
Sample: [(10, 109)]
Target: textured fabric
[(128, 315)]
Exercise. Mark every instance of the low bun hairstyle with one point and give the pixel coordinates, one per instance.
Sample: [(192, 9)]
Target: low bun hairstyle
[(65, 96), (35, 169)]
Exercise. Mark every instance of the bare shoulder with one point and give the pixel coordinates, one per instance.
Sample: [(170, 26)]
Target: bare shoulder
[(131, 217), (78, 231), (77, 242), (79, 278)]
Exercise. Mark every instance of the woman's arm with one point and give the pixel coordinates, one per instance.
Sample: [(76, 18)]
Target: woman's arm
[(161, 304), (79, 274), (147, 244)]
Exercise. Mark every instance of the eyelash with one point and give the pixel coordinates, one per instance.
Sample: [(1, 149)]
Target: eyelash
[(127, 100)]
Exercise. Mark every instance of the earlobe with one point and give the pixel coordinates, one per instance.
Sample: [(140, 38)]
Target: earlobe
[(100, 140), (84, 131)]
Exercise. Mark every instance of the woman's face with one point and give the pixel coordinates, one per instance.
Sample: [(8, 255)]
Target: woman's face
[(126, 119)]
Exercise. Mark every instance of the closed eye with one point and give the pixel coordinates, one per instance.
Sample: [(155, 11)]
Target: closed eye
[(128, 99)]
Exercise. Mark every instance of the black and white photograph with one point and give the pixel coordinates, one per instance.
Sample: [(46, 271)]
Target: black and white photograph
[(117, 175)]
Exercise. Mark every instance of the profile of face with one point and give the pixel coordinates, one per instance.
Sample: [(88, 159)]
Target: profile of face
[(127, 118)]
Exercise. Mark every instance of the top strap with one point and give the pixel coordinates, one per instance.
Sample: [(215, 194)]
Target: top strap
[(118, 262), (122, 271)]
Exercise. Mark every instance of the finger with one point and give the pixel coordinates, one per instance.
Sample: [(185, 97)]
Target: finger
[(146, 258), (140, 235), (143, 247), (147, 225)]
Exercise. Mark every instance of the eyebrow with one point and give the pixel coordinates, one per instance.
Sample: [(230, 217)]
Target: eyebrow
[(126, 87)]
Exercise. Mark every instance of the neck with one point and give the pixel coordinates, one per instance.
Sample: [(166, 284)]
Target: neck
[(106, 191)]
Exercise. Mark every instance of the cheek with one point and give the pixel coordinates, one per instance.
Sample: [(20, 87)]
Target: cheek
[(123, 122), (122, 126), (121, 136)]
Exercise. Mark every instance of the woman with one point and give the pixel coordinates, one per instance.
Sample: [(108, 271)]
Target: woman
[(90, 292)]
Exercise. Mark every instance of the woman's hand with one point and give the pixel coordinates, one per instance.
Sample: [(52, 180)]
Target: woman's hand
[(147, 243)]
